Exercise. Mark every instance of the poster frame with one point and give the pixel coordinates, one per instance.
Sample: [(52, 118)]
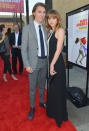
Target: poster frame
[(81, 9), (12, 6)]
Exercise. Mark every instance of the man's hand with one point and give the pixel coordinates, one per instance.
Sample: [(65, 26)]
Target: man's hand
[(29, 69), (14, 46), (19, 47)]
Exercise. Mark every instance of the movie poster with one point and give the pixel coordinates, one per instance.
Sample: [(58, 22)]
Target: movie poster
[(14, 6), (77, 38)]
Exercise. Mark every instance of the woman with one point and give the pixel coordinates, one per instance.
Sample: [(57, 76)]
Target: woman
[(6, 56), (56, 100), (82, 49)]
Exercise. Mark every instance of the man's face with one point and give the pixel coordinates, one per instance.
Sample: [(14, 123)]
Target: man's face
[(39, 14), (16, 28)]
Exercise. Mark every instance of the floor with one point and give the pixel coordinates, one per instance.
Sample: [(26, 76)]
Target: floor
[(78, 116)]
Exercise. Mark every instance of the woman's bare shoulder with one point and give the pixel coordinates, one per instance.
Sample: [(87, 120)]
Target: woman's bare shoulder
[(59, 32)]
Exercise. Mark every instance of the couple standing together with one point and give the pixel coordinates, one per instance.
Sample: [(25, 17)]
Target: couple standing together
[(34, 53)]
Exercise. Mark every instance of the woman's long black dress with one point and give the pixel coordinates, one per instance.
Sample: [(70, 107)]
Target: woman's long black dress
[(56, 98)]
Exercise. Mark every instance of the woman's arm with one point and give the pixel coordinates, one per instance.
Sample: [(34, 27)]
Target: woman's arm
[(3, 37), (1, 41), (60, 37)]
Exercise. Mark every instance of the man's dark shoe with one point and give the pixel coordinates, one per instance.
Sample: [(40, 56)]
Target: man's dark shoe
[(14, 72), (20, 73), (42, 105), (31, 114)]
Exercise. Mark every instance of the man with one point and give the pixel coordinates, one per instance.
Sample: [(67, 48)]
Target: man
[(34, 53), (15, 42)]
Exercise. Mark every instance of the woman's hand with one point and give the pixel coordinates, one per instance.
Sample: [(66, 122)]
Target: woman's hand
[(52, 71)]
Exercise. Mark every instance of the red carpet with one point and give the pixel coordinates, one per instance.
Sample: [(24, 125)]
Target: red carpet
[(14, 108)]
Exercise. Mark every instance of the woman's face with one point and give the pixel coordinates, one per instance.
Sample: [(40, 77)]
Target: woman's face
[(52, 21), (5, 30)]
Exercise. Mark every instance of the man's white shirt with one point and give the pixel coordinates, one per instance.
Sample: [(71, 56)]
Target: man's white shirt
[(16, 38), (38, 38)]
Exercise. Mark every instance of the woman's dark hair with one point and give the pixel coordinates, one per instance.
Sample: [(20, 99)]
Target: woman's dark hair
[(1, 27), (36, 5), (77, 40), (8, 32)]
